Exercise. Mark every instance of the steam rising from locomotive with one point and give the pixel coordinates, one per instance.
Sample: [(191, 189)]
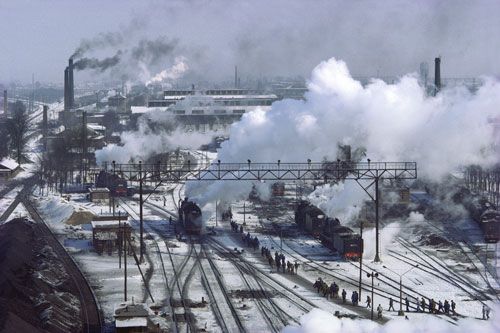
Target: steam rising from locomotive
[(392, 122)]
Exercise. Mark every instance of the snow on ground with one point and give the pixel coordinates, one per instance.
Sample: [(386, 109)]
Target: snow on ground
[(102, 271), (9, 198), (467, 290), (319, 321)]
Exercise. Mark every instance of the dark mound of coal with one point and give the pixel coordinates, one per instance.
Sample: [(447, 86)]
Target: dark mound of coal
[(34, 293)]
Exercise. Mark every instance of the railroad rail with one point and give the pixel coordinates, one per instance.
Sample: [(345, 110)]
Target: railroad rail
[(90, 311)]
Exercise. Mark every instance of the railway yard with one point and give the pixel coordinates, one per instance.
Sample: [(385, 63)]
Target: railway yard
[(219, 280), (250, 166)]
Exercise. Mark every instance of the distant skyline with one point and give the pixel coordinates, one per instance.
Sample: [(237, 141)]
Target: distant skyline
[(261, 37)]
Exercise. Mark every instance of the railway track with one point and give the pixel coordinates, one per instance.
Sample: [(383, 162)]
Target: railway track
[(173, 286), (90, 311), (225, 312), (260, 285), (439, 269)]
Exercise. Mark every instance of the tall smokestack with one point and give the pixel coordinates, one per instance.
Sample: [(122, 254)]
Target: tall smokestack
[(71, 84), (437, 73), (66, 89), (5, 104), (236, 77)]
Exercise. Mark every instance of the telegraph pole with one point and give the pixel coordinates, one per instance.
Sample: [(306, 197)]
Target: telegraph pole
[(377, 201), (140, 213), (360, 260), (125, 262)]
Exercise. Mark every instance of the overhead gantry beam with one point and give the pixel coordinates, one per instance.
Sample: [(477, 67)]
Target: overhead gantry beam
[(326, 172)]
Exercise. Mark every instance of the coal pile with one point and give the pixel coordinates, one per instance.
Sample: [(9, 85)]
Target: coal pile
[(35, 293)]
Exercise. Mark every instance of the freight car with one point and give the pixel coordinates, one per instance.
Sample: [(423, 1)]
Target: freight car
[(190, 217), (329, 231)]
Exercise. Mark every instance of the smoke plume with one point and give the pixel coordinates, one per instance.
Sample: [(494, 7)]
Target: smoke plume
[(96, 64), (151, 52), (173, 73), (103, 40)]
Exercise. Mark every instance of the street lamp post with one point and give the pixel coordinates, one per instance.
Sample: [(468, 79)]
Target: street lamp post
[(401, 312), (373, 275)]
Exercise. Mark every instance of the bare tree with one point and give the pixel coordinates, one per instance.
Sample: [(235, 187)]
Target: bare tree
[(18, 127)]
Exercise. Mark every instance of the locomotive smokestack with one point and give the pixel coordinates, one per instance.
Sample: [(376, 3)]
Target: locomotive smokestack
[(437, 74)]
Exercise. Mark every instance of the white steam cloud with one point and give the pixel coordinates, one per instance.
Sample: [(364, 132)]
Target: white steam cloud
[(148, 140), (168, 75), (319, 321), (394, 122)]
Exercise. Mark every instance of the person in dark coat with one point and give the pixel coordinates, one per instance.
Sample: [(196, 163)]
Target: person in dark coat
[(344, 295), (446, 306), (391, 304), (368, 301), (407, 303), (453, 305)]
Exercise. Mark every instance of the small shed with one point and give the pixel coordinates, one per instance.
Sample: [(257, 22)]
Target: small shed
[(108, 235), (133, 317), (99, 194), (8, 168)]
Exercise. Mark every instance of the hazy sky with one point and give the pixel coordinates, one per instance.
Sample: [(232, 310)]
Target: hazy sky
[(262, 37)]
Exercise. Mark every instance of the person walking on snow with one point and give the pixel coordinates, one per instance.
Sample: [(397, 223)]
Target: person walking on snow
[(391, 304), (368, 302), (379, 311)]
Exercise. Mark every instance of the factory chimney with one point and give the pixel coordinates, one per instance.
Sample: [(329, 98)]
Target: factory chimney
[(236, 77), (5, 104), (71, 84), (66, 89), (437, 74)]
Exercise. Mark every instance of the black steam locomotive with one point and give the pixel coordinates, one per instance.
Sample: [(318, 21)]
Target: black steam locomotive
[(190, 217), (483, 212), (116, 184), (335, 236)]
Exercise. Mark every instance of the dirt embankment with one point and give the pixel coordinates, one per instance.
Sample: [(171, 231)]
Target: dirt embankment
[(34, 287)]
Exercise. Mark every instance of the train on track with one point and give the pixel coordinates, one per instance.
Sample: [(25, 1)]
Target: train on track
[(331, 233), (190, 217), (116, 184), (485, 213)]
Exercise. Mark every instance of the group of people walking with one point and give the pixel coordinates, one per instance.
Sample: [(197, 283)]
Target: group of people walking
[(437, 307), (279, 260)]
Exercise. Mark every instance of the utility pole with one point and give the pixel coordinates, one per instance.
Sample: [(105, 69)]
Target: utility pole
[(373, 275), (360, 259), (216, 213), (140, 214), (125, 262), (120, 240), (377, 201)]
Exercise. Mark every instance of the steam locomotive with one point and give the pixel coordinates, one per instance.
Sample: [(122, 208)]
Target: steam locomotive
[(190, 217), (483, 212), (335, 236), (116, 184)]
